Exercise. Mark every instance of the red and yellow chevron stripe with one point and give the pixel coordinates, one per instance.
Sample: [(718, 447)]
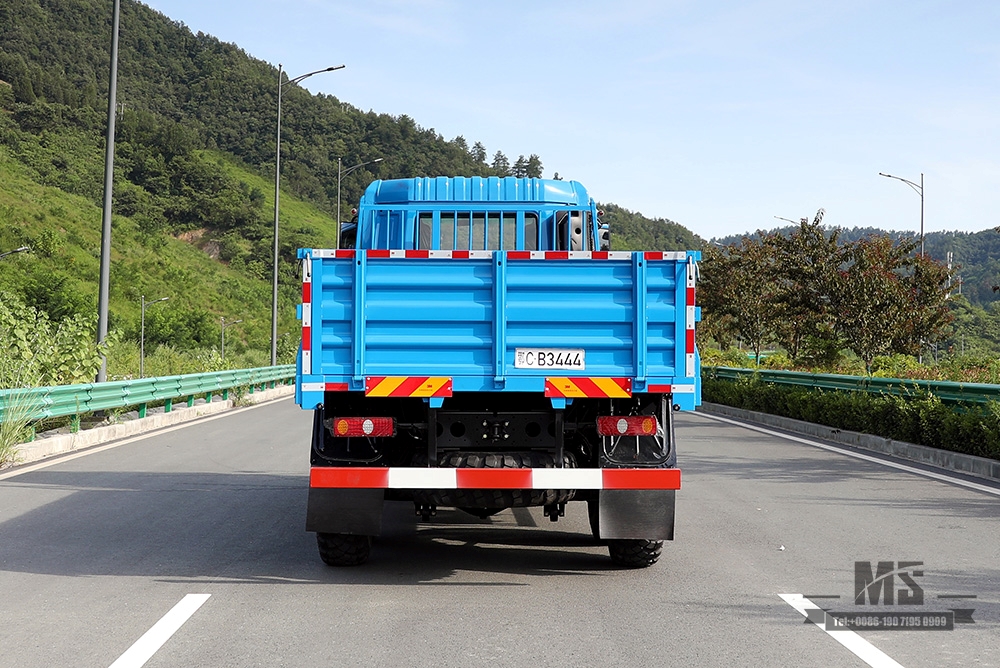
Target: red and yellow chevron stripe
[(595, 388), (408, 386)]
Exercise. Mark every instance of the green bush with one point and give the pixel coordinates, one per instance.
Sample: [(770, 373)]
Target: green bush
[(972, 429)]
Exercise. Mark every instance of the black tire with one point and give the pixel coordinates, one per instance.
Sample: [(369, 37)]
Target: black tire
[(342, 549), (635, 553), (495, 499)]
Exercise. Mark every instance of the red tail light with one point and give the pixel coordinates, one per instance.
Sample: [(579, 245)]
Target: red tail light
[(352, 427), (633, 425)]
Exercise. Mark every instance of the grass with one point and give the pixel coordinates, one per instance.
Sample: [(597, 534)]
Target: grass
[(64, 232)]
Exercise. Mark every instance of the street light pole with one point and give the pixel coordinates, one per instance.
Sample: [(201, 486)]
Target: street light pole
[(224, 325), (340, 174), (277, 194), (920, 191), (142, 331), (22, 249), (109, 171)]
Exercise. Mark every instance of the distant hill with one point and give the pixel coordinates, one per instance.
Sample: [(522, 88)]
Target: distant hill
[(633, 231), (975, 255)]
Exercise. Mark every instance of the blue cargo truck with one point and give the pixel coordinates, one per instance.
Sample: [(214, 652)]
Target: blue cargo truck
[(475, 344)]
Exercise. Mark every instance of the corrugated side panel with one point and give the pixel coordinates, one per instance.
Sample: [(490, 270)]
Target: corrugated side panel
[(439, 317)]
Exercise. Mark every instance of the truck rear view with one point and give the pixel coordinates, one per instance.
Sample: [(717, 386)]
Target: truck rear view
[(481, 348)]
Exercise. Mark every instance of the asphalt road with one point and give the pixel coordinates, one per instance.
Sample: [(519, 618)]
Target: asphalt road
[(96, 550)]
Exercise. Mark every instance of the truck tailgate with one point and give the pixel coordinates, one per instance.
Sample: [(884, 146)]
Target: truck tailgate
[(465, 316)]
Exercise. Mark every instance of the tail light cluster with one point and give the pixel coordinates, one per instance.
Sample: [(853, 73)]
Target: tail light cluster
[(359, 427), (632, 425)]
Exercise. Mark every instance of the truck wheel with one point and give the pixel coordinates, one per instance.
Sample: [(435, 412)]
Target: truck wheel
[(635, 553), (342, 549)]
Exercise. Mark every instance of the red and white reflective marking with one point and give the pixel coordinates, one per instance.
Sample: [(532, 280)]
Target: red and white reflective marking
[(671, 389), (361, 477), (306, 316), (569, 255), (325, 387), (689, 322), (677, 256), (488, 254)]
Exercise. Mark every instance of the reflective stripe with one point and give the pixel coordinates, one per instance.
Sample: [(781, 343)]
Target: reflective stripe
[(583, 387), (381, 253), (422, 478), (567, 478), (408, 386), (306, 316), (360, 477), (670, 389)]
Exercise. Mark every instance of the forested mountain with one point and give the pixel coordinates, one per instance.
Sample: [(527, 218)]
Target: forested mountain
[(193, 167), (633, 231), (194, 170)]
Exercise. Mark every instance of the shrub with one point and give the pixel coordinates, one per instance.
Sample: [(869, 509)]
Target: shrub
[(968, 428)]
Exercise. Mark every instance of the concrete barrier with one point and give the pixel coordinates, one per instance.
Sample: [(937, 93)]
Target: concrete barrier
[(981, 467)]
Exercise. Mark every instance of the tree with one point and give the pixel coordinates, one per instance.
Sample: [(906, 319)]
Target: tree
[(500, 164), (478, 152), (534, 166), (739, 289), (807, 261), (887, 300), (520, 169)]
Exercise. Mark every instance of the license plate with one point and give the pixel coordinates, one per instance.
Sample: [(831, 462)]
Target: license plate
[(550, 358)]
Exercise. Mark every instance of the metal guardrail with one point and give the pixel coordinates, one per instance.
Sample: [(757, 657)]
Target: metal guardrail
[(901, 387), (33, 404)]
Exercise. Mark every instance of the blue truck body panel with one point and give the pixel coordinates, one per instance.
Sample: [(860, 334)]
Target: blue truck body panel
[(465, 318)]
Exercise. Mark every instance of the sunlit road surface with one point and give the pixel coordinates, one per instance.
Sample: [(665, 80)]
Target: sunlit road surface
[(187, 548)]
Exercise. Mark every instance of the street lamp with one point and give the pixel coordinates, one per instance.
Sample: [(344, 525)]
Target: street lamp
[(22, 249), (142, 331), (340, 174), (224, 326), (920, 191), (104, 281), (277, 181)]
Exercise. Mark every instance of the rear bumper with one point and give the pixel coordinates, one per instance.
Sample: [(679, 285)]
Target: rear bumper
[(357, 477)]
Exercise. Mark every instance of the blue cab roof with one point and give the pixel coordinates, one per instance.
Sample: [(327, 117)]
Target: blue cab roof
[(475, 189)]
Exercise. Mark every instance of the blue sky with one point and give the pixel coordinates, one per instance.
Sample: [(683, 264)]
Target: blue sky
[(718, 115)]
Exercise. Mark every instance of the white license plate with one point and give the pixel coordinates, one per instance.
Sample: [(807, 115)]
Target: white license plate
[(550, 358)]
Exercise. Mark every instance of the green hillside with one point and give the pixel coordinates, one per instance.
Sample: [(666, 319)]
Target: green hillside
[(194, 170), (60, 275)]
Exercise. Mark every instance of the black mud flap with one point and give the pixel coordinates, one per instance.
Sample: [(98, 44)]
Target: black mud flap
[(351, 511), (636, 513)]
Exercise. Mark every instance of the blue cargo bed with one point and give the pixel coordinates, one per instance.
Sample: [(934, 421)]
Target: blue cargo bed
[(468, 315)]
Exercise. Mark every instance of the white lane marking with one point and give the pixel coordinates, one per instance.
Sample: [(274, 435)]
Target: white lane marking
[(152, 640), (857, 455), (860, 647), (59, 459)]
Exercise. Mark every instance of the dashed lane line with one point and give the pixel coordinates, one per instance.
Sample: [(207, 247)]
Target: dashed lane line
[(858, 646), (152, 640)]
